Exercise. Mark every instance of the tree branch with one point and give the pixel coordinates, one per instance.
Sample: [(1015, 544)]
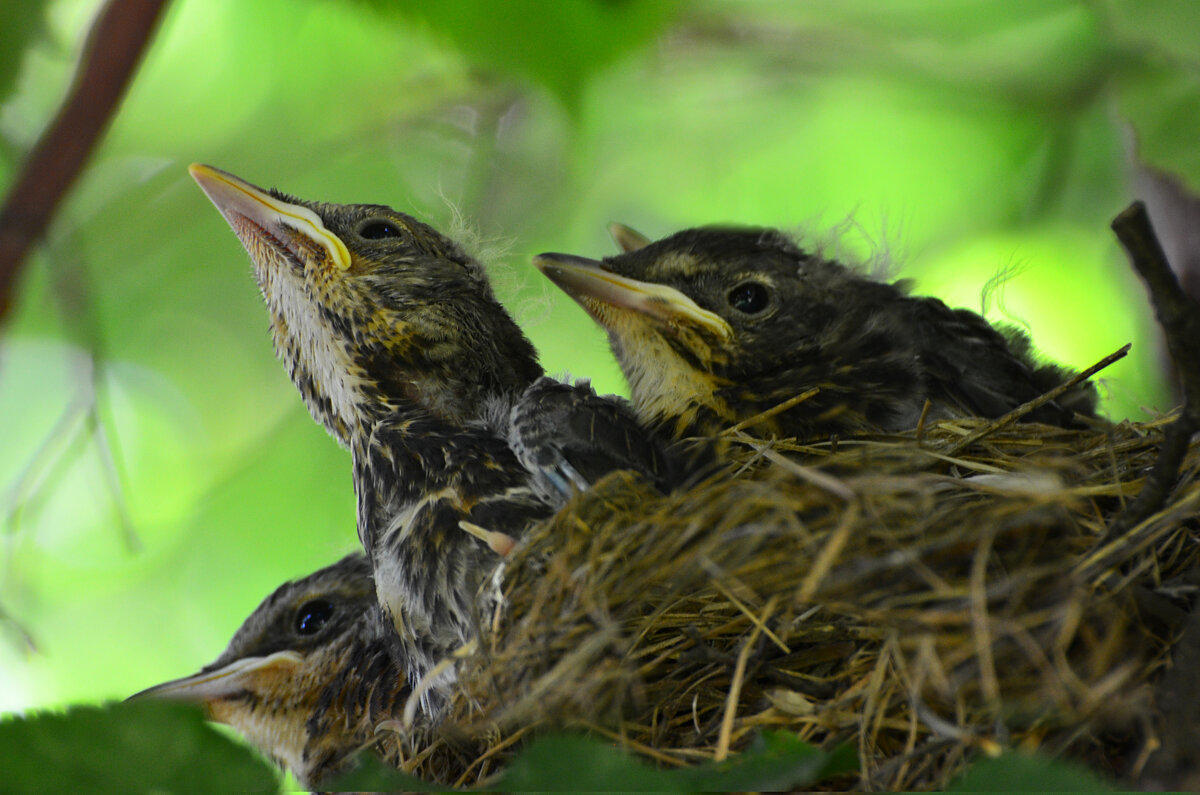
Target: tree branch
[(115, 44), (1179, 316)]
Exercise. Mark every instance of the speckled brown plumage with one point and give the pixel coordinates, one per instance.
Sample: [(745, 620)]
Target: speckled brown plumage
[(308, 676), (394, 338), (712, 326)]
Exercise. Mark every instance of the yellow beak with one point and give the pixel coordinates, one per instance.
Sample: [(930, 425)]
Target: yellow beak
[(206, 687), (587, 280), (253, 212)]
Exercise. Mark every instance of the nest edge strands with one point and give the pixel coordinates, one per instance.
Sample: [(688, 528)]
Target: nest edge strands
[(920, 605)]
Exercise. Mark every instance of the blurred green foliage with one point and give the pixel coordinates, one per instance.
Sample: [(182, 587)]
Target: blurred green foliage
[(168, 747), (1017, 772), (121, 748), (162, 746), (20, 24), (159, 474), (774, 762), (559, 46)]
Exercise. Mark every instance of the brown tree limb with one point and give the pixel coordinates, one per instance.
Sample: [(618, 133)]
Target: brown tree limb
[(1177, 699), (115, 44), (1174, 765), (1179, 316), (1174, 208)]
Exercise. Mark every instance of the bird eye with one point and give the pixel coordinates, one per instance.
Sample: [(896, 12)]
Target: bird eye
[(377, 230), (312, 615), (749, 297)]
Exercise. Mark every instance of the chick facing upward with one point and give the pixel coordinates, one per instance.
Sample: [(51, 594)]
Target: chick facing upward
[(307, 676), (399, 347), (369, 307), (712, 326)]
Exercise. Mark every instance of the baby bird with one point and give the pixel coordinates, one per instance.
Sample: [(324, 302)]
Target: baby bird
[(308, 676), (397, 344), (712, 326)]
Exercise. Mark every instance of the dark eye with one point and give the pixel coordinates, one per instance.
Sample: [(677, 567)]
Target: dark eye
[(312, 615), (749, 297), (378, 229)]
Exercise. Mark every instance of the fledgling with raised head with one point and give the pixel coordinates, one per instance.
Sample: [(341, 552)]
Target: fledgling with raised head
[(308, 676), (716, 325), (397, 344)]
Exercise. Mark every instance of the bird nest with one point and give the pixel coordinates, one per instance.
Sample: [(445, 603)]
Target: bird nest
[(923, 598)]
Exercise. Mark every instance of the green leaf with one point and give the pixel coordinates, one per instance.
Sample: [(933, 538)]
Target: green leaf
[(558, 763), (1162, 102), (577, 764), (372, 775), (559, 44), (1015, 772), (1160, 89), (20, 24), (1161, 29), (136, 747), (776, 761)]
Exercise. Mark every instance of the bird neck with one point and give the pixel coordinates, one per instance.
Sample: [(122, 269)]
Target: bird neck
[(375, 383), (362, 686), (356, 360), (670, 388)]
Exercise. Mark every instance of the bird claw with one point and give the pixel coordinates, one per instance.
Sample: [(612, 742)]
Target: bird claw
[(565, 478), (559, 483), (571, 472)]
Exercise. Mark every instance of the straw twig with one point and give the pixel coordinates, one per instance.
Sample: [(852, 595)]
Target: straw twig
[(1025, 408)]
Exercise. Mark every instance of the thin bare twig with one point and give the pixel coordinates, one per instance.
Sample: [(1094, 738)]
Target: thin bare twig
[(118, 38), (1025, 408), (763, 416), (23, 634), (735, 686)]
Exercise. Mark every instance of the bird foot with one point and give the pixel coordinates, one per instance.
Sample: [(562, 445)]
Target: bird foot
[(565, 479)]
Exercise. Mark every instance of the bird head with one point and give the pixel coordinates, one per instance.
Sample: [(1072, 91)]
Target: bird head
[(304, 676), (715, 325), (371, 309)]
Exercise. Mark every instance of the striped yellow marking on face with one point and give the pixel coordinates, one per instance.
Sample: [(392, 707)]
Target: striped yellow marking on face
[(661, 382), (233, 195)]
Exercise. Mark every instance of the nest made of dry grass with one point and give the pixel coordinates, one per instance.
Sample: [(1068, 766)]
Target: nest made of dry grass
[(919, 601)]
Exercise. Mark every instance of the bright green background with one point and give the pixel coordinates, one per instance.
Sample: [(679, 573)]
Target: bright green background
[(964, 137)]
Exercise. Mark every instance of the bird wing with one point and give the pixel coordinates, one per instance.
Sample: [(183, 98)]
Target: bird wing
[(979, 370), (418, 480), (569, 437)]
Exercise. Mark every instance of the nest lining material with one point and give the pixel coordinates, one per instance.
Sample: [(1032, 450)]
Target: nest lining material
[(919, 602)]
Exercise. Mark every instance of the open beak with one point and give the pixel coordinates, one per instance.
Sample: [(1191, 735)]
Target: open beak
[(206, 687), (261, 220), (589, 283)]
